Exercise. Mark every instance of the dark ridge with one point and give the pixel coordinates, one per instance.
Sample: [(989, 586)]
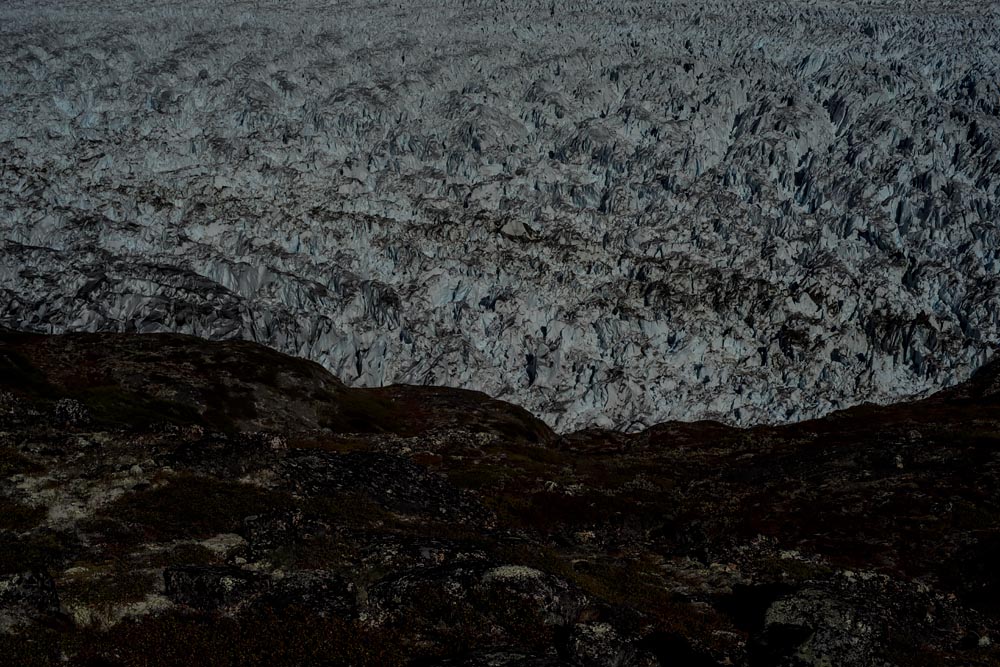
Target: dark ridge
[(166, 500)]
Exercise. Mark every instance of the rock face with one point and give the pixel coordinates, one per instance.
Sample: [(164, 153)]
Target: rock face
[(612, 213), (166, 500), (25, 597), (210, 588)]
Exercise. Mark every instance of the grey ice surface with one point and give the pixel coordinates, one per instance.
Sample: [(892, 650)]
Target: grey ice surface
[(610, 212)]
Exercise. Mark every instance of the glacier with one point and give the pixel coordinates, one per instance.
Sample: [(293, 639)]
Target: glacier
[(611, 213)]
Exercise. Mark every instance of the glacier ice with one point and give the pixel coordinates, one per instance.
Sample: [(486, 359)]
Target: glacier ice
[(612, 213)]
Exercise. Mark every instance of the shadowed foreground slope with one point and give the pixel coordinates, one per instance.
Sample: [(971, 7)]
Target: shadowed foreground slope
[(170, 501)]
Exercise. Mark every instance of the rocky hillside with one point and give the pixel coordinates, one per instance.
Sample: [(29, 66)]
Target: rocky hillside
[(166, 500), (610, 212)]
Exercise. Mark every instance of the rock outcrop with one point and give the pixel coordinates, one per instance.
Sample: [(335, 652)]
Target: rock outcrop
[(166, 500)]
